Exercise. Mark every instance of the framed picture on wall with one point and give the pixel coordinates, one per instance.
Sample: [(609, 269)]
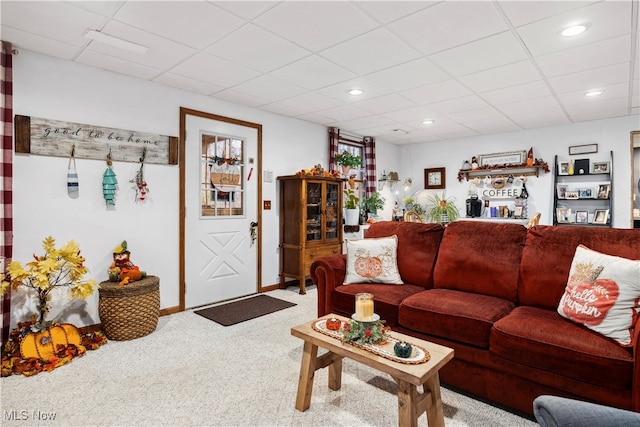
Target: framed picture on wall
[(434, 179)]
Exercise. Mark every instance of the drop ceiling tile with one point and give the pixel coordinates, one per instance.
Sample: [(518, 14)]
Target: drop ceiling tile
[(344, 112), (105, 62), (216, 71), (253, 47), (604, 20), (615, 91), (582, 58), (340, 90), (451, 106), (69, 25), (104, 8), (591, 79), (246, 9), (409, 75), (500, 77), (313, 72), (459, 133), (449, 24), (185, 83), (358, 55), (490, 52), (206, 24), (440, 91), (316, 25), (413, 115), (29, 41), (511, 94), (306, 103), (240, 98), (486, 113), (269, 88), (388, 11), (532, 113), (316, 118), (364, 123), (606, 108), (385, 103), (494, 125), (162, 54), (524, 12)]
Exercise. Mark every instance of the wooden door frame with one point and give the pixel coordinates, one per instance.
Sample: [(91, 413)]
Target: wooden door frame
[(184, 112)]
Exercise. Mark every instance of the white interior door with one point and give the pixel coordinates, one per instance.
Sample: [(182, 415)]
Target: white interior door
[(221, 206)]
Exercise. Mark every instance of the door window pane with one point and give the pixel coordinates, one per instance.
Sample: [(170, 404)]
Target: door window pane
[(221, 176)]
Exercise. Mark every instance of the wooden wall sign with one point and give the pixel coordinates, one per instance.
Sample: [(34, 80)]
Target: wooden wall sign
[(46, 137)]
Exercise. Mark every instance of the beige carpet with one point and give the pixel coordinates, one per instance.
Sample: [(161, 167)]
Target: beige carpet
[(194, 372)]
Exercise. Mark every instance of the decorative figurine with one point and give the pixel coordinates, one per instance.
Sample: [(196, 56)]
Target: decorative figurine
[(530, 157), (474, 163), (122, 269), (402, 349)]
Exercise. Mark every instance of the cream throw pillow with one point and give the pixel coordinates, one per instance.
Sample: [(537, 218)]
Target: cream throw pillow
[(373, 261), (603, 294)]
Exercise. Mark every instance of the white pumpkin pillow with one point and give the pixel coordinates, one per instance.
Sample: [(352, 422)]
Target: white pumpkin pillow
[(373, 260), (603, 294)]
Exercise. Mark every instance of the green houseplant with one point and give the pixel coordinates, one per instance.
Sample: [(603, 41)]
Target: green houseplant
[(347, 161), (352, 211), (373, 202), (442, 209)]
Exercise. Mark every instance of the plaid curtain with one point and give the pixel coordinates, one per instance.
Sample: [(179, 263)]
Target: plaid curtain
[(334, 138), (6, 174), (370, 165)]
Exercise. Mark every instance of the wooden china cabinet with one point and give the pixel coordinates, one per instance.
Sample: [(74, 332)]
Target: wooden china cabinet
[(310, 223)]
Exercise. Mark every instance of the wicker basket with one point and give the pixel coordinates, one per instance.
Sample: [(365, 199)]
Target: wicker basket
[(130, 311)]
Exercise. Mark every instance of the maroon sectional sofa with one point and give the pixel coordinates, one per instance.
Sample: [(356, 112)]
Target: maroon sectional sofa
[(490, 292)]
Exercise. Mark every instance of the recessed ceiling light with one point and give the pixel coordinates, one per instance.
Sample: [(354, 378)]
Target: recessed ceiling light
[(574, 30), (115, 41), (595, 92), (428, 122), (355, 91)]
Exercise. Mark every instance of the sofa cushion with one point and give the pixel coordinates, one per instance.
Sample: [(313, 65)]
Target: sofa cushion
[(417, 248), (386, 299), (455, 315), (480, 257), (373, 261), (602, 294), (541, 339), (550, 249)]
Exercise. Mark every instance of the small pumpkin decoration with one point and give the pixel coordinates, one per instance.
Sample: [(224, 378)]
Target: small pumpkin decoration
[(333, 324), (42, 345), (368, 266)]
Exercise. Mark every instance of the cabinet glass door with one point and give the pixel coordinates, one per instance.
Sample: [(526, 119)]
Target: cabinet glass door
[(314, 211), (331, 211)]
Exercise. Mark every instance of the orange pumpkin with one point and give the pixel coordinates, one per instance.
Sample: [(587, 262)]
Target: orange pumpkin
[(42, 345)]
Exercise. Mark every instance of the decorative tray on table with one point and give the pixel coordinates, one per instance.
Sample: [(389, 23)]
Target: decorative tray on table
[(385, 349)]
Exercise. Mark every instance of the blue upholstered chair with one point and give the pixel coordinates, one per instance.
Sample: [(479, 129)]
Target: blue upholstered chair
[(553, 411)]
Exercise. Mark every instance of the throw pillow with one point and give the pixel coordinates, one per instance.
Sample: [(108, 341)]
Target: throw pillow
[(373, 260), (603, 294)]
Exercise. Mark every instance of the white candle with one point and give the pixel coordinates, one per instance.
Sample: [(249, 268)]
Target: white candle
[(364, 307)]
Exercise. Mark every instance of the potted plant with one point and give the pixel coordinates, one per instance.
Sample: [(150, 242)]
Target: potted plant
[(442, 209), (347, 161), (373, 203), (411, 205), (352, 211)]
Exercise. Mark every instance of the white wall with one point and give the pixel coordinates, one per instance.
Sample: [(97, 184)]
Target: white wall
[(610, 135), (55, 89)]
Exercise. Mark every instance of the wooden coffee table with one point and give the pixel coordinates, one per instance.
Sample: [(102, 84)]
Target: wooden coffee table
[(409, 377)]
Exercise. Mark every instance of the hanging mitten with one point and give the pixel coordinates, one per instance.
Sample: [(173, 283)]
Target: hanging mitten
[(109, 183)]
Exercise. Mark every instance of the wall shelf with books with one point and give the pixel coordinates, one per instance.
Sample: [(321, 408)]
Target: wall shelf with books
[(583, 192)]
